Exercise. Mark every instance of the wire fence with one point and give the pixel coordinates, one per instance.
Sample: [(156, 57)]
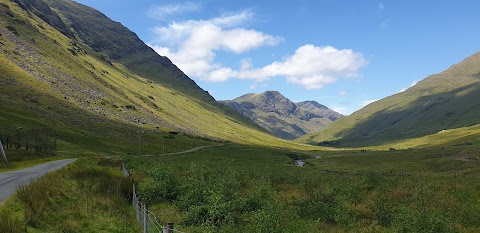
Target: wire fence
[(146, 219), (3, 152)]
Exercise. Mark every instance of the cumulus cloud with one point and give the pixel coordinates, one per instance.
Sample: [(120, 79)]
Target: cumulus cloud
[(192, 45), (220, 75), (411, 85), (313, 67), (162, 12)]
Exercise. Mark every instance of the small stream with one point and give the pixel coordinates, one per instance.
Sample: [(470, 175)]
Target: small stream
[(299, 163)]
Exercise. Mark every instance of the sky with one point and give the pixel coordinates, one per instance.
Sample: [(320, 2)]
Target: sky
[(343, 54)]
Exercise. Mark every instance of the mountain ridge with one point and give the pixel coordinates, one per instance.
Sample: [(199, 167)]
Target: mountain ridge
[(282, 117)]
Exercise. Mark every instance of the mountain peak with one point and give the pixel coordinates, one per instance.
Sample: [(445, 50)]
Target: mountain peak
[(269, 101), (280, 116), (272, 93), (311, 104), (271, 96)]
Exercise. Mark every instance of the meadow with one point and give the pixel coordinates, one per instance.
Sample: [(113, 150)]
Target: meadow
[(257, 189), (231, 187)]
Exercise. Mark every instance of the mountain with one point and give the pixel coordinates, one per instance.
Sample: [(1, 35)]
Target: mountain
[(68, 68), (450, 99), (280, 116), (312, 109)]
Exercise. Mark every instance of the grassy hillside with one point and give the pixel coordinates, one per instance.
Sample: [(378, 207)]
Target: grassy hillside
[(447, 100), (79, 85), (280, 116), (453, 137)]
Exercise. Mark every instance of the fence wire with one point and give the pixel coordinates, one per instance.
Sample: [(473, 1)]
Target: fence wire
[(146, 219)]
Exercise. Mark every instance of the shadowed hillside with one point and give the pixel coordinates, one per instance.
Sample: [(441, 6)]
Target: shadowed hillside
[(447, 100)]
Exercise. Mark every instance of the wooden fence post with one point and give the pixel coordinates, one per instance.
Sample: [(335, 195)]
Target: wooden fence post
[(3, 152), (168, 228)]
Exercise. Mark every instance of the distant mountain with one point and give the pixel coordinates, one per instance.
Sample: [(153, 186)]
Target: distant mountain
[(450, 99), (280, 116), (312, 109)]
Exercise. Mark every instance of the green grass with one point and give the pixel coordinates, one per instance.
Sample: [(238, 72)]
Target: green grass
[(453, 137), (87, 196), (258, 189)]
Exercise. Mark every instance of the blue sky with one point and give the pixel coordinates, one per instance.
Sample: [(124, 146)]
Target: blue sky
[(340, 53)]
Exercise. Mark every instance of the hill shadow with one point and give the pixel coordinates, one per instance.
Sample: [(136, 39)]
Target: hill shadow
[(427, 115)]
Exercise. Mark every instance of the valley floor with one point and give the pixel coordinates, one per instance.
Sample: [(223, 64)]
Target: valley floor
[(237, 188), (255, 189)]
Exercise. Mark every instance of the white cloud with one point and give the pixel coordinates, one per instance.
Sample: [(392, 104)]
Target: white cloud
[(220, 75), (312, 67), (192, 46), (233, 19), (342, 93), (162, 12), (366, 102), (411, 85)]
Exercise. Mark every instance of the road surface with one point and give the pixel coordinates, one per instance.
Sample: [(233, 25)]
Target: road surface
[(9, 181)]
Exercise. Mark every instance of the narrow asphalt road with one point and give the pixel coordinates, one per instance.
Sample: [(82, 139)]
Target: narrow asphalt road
[(9, 181)]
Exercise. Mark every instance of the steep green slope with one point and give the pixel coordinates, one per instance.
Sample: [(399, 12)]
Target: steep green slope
[(447, 100), (280, 116), (58, 73), (113, 41)]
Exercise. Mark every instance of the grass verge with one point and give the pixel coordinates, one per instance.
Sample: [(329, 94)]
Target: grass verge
[(87, 196)]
